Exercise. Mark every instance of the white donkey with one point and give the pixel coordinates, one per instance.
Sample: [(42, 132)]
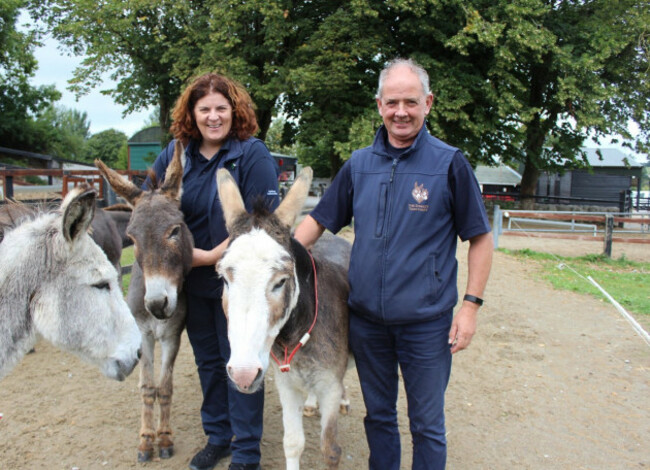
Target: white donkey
[(283, 303), (55, 281)]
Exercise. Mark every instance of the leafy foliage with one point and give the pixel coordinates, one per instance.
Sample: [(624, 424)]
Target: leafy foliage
[(19, 101), (555, 73), (108, 146), (524, 82), (139, 42), (66, 131)]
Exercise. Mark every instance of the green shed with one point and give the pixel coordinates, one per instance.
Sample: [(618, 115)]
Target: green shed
[(144, 146)]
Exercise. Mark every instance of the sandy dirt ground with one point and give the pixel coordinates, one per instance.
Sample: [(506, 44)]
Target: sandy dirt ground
[(552, 380)]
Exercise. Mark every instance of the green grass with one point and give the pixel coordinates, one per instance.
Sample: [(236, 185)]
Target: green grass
[(628, 282), (127, 260), (128, 256)]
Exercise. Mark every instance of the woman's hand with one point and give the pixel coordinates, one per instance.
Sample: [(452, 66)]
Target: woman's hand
[(209, 257)]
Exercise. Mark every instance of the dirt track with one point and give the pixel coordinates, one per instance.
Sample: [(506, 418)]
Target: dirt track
[(552, 380)]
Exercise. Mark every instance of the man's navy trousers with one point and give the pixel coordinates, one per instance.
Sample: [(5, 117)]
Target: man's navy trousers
[(421, 351)]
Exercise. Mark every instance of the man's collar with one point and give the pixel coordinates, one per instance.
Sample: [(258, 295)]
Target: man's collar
[(381, 139)]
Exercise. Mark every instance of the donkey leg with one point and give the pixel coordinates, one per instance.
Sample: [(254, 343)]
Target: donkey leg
[(311, 405), (344, 407), (330, 400), (292, 401), (148, 394), (169, 351)]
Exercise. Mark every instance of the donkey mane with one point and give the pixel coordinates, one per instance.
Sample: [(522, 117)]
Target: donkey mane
[(152, 182), (261, 217), (16, 213)]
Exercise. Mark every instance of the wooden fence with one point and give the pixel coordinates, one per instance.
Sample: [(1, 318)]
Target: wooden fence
[(68, 178), (591, 226)]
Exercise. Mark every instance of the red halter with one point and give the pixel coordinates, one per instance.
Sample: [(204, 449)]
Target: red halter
[(285, 366)]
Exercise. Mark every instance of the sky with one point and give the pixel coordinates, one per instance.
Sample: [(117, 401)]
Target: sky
[(56, 68)]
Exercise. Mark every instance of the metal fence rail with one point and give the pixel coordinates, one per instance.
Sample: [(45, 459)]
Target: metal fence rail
[(602, 226)]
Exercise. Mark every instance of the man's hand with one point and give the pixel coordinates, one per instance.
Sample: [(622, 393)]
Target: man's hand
[(463, 327)]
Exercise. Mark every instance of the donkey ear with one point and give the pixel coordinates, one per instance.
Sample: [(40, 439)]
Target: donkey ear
[(78, 212), (121, 186), (174, 174), (292, 203), (232, 203)]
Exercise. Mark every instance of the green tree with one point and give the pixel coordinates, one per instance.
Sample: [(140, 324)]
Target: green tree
[(529, 81), (122, 162), (107, 146), (269, 44), (65, 131), (362, 133), (153, 47), (279, 136), (139, 42), (20, 102), (561, 71), (524, 82), (333, 79)]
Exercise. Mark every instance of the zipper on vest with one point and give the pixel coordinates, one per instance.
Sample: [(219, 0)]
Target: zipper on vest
[(389, 208), (392, 170)]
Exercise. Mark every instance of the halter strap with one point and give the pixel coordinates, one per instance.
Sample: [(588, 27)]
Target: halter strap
[(285, 365)]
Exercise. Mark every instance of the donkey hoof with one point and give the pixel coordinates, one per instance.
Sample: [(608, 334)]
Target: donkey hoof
[(344, 409), (309, 411), (144, 456), (166, 452)]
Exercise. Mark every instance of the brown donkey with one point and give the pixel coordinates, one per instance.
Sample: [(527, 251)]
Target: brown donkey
[(163, 257)]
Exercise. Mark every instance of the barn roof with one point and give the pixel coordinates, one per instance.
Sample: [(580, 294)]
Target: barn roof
[(611, 157), (148, 135), (501, 175)]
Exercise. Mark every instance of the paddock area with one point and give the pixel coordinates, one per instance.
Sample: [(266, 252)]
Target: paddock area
[(552, 380)]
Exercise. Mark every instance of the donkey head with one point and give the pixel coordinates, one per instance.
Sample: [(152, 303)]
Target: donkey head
[(57, 275), (163, 243), (260, 280)]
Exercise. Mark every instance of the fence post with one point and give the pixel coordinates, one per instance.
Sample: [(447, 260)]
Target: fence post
[(64, 184), (609, 230), (9, 187), (107, 193), (496, 225), (49, 177)]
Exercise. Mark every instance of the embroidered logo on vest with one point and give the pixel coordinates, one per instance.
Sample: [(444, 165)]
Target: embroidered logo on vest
[(420, 194)]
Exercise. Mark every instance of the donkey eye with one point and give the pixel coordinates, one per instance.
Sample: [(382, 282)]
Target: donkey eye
[(104, 285), (279, 284), (175, 233)]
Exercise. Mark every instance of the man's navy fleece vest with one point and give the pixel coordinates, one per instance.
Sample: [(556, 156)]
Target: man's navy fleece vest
[(398, 202)]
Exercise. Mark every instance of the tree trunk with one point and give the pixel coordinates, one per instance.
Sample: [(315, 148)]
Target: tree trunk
[(264, 117), (335, 164), (165, 121), (529, 184)]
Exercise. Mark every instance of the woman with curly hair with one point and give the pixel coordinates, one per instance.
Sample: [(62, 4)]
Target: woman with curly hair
[(215, 120)]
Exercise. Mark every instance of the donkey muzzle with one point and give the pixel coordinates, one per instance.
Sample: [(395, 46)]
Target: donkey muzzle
[(160, 298), (246, 379)]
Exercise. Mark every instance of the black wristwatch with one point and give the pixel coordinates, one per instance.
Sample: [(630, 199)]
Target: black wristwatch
[(472, 298)]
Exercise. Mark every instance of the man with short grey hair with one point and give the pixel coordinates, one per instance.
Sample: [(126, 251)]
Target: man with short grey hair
[(412, 196)]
